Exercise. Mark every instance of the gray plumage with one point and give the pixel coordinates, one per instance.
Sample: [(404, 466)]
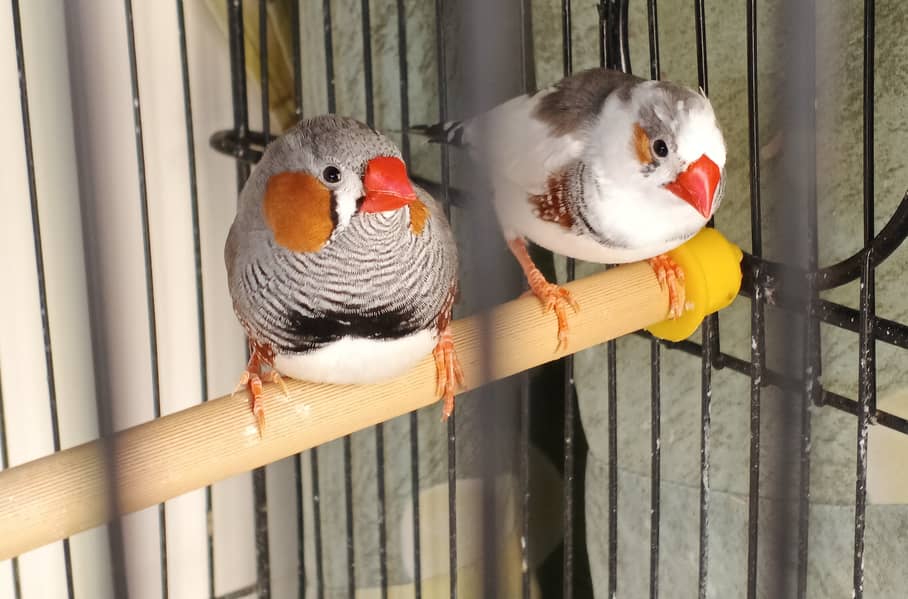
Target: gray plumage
[(376, 278)]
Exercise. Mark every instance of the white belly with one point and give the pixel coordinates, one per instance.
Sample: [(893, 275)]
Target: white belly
[(517, 219), (352, 360)]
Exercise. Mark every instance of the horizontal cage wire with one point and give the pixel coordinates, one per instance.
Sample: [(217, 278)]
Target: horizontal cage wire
[(759, 459)]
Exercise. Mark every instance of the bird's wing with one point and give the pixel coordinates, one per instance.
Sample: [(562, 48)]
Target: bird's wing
[(531, 137)]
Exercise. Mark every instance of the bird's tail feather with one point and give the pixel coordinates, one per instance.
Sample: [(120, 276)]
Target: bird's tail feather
[(450, 132)]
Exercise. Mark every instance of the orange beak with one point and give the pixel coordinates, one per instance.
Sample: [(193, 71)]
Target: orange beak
[(387, 185), (697, 185)]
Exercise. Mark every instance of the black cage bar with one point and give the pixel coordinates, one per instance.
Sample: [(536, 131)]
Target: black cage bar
[(784, 281), (788, 288)]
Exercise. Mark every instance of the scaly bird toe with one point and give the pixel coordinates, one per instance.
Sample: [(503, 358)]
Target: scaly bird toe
[(671, 278), (557, 299), (553, 297), (253, 377), (255, 392), (449, 374)]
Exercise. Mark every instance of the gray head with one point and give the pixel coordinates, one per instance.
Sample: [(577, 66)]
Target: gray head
[(312, 180)]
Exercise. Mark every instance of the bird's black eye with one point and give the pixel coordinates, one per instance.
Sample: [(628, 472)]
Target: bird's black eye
[(660, 148), (331, 174)]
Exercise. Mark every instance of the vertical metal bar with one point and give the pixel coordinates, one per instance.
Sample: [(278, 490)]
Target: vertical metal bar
[(655, 468), (347, 441), (329, 55), (403, 70), (298, 458), (652, 19), (263, 70), (867, 328), (4, 465), (568, 388), (238, 82), (700, 19), (348, 511), (441, 57), (313, 453), (612, 360), (614, 51), (528, 84), (798, 349), (869, 49), (614, 54), (39, 265), (262, 563), (757, 334), (262, 550), (804, 97), (866, 393), (380, 489), (655, 365), (197, 251), (414, 494), (367, 62), (297, 61), (706, 397), (710, 333), (524, 465), (379, 428), (149, 276), (414, 418), (317, 525)]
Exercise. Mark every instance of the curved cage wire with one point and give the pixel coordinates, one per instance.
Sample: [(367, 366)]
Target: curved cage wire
[(104, 209)]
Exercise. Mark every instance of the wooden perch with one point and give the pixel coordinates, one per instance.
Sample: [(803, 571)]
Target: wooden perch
[(57, 496)]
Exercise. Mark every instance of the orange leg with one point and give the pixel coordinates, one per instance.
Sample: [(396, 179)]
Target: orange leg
[(253, 378), (449, 373), (551, 295), (671, 277)]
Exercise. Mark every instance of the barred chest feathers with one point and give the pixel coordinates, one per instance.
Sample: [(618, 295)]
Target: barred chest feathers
[(364, 307)]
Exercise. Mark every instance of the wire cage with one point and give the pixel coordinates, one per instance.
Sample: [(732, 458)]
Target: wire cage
[(763, 457)]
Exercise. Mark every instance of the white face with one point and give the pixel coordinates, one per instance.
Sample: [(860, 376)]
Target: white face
[(637, 147), (699, 134)]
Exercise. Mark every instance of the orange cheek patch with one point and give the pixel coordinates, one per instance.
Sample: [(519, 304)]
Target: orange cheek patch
[(642, 145), (297, 209), (419, 214)]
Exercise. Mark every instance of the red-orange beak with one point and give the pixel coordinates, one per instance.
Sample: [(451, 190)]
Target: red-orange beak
[(697, 185), (387, 185)]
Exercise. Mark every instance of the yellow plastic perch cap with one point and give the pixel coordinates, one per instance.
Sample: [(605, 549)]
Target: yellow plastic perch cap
[(712, 278)]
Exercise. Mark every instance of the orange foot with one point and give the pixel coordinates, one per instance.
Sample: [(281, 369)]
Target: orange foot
[(554, 297), (253, 377), (671, 277), (449, 373)]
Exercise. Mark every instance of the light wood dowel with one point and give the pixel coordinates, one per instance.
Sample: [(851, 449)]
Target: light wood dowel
[(68, 492)]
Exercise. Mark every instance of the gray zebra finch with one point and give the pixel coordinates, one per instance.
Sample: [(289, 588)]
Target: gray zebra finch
[(340, 270), (603, 166)]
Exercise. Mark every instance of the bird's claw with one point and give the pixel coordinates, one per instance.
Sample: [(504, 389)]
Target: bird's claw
[(556, 298), (671, 278), (253, 382), (449, 374), (553, 297), (253, 379)]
